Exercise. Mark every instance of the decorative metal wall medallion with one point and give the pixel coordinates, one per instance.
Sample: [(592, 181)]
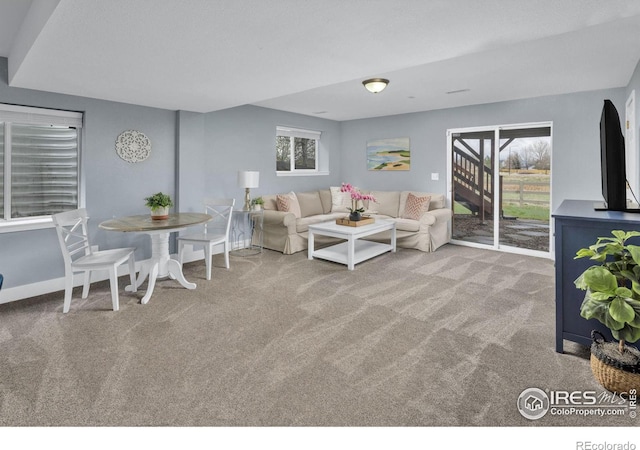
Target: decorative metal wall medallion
[(133, 146)]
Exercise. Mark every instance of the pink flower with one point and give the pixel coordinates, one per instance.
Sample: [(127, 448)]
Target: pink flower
[(355, 196), (346, 187)]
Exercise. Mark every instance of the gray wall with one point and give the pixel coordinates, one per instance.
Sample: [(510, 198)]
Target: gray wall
[(634, 84), (193, 155), (196, 155), (575, 153), (191, 179), (113, 187), (243, 138)]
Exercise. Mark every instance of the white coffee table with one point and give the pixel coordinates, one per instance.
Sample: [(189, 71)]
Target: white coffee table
[(355, 250)]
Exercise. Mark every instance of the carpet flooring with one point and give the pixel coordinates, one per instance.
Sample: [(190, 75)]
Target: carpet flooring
[(408, 339)]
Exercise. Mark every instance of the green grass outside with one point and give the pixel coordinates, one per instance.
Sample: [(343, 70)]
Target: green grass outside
[(521, 212), (526, 212), (535, 212), (459, 209)]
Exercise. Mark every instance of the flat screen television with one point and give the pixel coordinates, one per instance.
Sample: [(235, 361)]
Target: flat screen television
[(612, 156)]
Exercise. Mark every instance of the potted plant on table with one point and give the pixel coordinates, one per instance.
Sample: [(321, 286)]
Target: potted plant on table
[(257, 203), (356, 196), (613, 298), (159, 204)]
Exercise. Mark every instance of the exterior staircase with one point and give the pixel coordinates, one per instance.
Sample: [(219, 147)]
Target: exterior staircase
[(473, 183)]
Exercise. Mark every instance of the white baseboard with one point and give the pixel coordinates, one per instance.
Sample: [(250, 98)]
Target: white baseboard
[(32, 290), (57, 284)]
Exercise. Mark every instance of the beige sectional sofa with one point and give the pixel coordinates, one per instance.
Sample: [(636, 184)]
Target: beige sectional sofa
[(286, 233)]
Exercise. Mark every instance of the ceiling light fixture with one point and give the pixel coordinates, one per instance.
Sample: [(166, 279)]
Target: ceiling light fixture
[(375, 85)]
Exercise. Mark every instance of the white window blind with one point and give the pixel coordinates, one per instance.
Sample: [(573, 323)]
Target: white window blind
[(1, 170), (40, 162), (39, 116)]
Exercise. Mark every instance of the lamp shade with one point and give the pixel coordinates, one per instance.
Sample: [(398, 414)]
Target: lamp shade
[(375, 85), (248, 178)]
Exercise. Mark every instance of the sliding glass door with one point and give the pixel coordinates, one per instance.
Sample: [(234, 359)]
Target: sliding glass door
[(472, 154), (500, 187)]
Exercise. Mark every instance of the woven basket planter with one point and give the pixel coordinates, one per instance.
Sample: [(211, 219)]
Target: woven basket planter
[(612, 373)]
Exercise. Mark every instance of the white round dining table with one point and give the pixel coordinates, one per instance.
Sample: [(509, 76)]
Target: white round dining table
[(160, 265)]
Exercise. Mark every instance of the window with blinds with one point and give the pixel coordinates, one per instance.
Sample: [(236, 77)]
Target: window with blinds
[(39, 162), (1, 170), (296, 150)]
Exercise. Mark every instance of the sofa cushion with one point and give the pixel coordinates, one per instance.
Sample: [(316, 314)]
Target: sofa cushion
[(270, 202), (407, 225), (340, 201), (415, 206), (325, 198), (289, 203), (310, 203), (438, 201), (387, 203)]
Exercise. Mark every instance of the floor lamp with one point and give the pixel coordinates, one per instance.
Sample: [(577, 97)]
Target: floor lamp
[(248, 179)]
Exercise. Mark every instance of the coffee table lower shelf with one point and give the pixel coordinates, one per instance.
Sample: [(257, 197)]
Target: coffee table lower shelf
[(363, 250)]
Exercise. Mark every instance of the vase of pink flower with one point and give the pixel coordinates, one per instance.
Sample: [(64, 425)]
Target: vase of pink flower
[(356, 196)]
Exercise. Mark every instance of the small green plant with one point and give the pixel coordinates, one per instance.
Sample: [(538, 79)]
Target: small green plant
[(158, 200), (613, 285), (257, 201)]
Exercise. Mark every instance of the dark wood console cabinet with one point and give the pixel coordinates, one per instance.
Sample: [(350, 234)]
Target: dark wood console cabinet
[(577, 225)]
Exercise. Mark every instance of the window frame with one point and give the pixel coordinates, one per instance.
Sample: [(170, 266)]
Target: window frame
[(26, 115), (293, 133)]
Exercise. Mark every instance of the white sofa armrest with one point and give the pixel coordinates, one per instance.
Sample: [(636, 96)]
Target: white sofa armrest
[(437, 215), (285, 219)]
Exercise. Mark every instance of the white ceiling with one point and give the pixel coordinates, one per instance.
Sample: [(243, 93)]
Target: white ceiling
[(310, 56)]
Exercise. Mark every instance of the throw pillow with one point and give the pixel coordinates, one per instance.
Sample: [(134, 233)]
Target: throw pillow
[(388, 203), (415, 206), (310, 203), (289, 203), (340, 201)]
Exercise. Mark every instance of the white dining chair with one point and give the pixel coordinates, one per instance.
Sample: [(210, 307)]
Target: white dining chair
[(215, 232), (71, 227)]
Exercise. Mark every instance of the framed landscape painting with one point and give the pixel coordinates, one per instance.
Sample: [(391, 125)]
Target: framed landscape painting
[(389, 154)]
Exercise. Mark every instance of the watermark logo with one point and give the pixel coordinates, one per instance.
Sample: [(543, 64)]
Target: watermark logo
[(588, 445), (533, 403)]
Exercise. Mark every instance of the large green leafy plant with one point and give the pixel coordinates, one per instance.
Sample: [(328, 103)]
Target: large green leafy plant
[(613, 285)]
